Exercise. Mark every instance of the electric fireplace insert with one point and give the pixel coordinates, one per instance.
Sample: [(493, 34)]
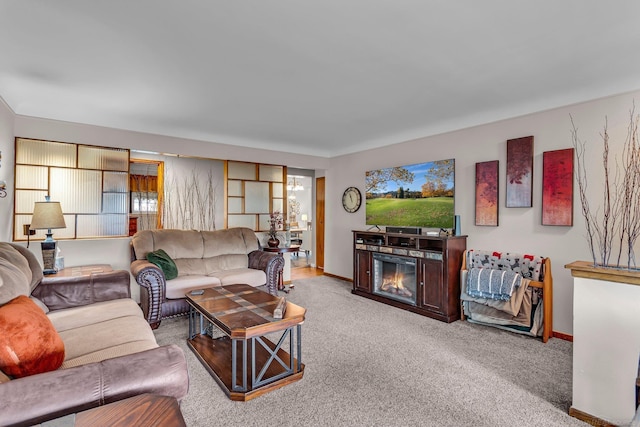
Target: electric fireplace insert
[(395, 277)]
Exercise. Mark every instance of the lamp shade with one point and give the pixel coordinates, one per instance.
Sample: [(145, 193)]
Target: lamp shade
[(47, 215)]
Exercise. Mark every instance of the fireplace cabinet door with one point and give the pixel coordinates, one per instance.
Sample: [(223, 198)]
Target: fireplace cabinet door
[(362, 276), (431, 284)]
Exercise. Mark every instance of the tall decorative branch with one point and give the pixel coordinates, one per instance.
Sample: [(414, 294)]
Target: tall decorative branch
[(190, 202), (618, 219), (630, 205)]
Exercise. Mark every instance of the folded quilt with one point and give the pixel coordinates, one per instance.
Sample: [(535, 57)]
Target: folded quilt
[(492, 284), (529, 321), (512, 306), (529, 266)]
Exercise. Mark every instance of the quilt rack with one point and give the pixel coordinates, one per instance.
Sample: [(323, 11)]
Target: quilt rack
[(546, 285)]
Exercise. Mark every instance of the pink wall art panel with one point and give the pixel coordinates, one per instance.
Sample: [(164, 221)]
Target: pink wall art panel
[(557, 187), (520, 172), (487, 193)]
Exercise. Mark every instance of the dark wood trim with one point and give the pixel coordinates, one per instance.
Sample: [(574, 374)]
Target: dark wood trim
[(434, 315), (562, 336), (320, 221), (337, 277), (589, 419)]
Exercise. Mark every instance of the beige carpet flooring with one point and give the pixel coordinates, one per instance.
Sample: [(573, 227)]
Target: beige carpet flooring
[(369, 364)]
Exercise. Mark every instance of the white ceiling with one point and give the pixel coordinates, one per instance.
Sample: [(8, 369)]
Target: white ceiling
[(324, 77)]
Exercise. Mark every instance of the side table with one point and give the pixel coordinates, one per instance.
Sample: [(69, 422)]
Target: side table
[(280, 250), (80, 271), (145, 410)]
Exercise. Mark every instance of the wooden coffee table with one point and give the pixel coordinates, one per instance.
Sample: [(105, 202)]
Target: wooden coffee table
[(243, 361)]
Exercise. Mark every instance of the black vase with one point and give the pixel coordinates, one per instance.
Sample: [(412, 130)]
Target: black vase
[(273, 242)]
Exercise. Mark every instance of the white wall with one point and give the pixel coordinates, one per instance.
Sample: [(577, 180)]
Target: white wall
[(6, 169), (520, 229), (114, 251), (180, 172), (31, 127)]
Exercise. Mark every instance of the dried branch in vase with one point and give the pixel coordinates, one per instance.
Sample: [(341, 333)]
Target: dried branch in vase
[(275, 224), (616, 222)]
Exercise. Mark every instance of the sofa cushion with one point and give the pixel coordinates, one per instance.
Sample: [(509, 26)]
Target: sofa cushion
[(29, 344), (249, 276), (34, 265), (75, 317), (177, 243), (178, 287), (109, 353), (190, 266), (15, 273), (225, 262), (160, 258), (92, 338), (238, 240)]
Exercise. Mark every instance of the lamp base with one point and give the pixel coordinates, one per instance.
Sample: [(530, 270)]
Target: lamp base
[(49, 257)]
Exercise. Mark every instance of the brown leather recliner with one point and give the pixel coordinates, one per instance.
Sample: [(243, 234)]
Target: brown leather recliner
[(110, 352)]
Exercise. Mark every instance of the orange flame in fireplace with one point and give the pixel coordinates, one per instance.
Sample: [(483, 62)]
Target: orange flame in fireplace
[(393, 284)]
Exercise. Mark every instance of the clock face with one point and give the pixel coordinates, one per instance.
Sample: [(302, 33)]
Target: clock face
[(351, 199)]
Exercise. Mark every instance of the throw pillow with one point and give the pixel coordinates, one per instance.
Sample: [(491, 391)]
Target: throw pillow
[(29, 344), (164, 261)]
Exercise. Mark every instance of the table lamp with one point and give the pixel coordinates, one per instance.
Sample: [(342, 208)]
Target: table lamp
[(304, 219), (47, 216)]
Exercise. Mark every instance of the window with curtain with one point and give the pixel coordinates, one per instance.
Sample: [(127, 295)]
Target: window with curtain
[(146, 187), (91, 183)]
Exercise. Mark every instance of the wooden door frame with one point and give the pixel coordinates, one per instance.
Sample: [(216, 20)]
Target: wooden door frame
[(160, 165), (320, 209)]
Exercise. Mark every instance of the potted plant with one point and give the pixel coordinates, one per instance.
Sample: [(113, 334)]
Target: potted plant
[(275, 224)]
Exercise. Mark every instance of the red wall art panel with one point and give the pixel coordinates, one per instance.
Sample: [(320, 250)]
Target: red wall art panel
[(487, 193), (557, 187), (520, 172)]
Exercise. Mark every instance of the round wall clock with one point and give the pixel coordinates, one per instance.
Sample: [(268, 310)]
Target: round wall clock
[(351, 199)]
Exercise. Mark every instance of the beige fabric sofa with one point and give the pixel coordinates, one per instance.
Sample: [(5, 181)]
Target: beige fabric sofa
[(203, 259), (110, 352)]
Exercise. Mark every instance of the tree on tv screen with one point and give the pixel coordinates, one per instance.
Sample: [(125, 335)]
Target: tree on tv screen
[(377, 180), (414, 195)]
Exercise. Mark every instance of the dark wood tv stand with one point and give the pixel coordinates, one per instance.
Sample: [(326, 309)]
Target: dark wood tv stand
[(438, 260)]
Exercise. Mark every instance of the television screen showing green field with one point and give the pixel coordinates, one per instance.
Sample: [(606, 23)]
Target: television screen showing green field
[(418, 195)]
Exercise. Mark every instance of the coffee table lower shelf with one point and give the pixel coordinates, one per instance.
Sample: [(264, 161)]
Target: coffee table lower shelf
[(216, 356)]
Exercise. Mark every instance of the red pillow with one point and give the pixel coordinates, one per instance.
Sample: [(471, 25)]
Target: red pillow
[(29, 344)]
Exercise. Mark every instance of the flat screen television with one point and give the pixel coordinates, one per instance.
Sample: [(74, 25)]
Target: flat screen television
[(417, 195)]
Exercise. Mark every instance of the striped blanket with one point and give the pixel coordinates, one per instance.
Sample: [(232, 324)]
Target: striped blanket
[(492, 284)]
